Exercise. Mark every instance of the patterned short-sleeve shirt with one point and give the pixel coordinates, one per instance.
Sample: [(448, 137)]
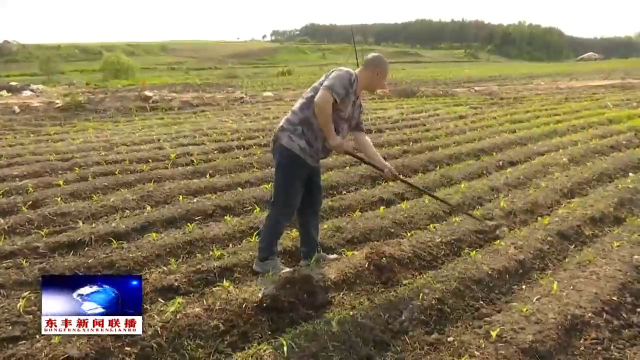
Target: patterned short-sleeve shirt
[(300, 130)]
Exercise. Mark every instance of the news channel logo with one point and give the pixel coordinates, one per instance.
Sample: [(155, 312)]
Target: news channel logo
[(91, 304)]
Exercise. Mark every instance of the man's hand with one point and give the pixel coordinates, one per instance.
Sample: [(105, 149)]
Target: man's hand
[(340, 145), (389, 172)]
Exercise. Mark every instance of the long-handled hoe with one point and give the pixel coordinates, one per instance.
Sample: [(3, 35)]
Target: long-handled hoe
[(500, 230), (493, 225)]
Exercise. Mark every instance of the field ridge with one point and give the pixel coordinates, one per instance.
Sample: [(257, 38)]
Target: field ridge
[(178, 190)]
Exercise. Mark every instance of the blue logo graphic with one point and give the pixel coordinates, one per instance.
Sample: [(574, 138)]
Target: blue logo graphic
[(98, 299), (91, 295)]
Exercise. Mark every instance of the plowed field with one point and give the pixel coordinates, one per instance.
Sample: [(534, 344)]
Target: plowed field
[(178, 195)]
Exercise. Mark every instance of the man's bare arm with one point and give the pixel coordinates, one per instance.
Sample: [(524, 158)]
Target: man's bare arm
[(365, 145), (324, 112)]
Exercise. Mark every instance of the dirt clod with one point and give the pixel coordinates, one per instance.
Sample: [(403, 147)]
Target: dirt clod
[(297, 297)]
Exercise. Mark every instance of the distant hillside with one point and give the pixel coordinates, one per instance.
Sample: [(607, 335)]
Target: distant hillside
[(517, 41), (79, 52), (203, 55)]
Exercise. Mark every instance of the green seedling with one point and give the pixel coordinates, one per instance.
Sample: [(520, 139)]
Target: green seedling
[(24, 262), (268, 186), (314, 261), (293, 234), (433, 227), (544, 220), (228, 219), (616, 244), (29, 189), (173, 263), (409, 234), (116, 243), (95, 197), (2, 238), (226, 284), (189, 227), (524, 309), (355, 214), (256, 209), (498, 243), (586, 256), (60, 183), (23, 302), (554, 287), (154, 236), (59, 199), (494, 333), (174, 306), (335, 322), (2, 192), (404, 205), (56, 339), (173, 156), (382, 209), (347, 253), (477, 212), (503, 202), (472, 253), (217, 253), (117, 172), (181, 198), (43, 232), (253, 238), (456, 219), (285, 345)]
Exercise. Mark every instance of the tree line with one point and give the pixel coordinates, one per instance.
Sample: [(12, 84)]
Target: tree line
[(517, 41)]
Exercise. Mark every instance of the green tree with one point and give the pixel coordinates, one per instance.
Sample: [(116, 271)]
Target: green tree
[(520, 41), (49, 65), (117, 66)]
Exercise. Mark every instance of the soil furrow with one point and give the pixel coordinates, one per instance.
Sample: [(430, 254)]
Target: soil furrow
[(243, 136), (211, 271), (597, 289), (379, 109), (380, 114), (208, 158), (416, 251), (236, 322), (469, 287), (133, 225), (65, 215), (211, 156)]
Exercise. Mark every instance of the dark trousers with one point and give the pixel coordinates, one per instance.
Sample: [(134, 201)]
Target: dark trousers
[(297, 190)]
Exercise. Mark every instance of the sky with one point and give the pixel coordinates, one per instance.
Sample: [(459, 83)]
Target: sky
[(68, 21)]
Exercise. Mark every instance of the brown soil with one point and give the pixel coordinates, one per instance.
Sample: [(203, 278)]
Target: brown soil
[(551, 166)]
